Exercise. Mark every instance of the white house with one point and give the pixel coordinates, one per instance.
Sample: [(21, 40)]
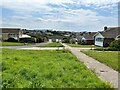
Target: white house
[(55, 39), (99, 39), (25, 36), (105, 37), (50, 40)]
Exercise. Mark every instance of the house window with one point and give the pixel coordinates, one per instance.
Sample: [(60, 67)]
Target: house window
[(99, 39)]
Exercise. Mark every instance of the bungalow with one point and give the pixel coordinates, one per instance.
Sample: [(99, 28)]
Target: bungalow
[(105, 37), (7, 33), (27, 39), (25, 36), (88, 38), (55, 39)]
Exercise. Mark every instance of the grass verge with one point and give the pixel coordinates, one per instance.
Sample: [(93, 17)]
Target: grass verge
[(82, 46), (110, 58), (46, 69), (12, 44)]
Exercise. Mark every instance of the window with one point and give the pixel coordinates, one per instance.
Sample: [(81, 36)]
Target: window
[(99, 39)]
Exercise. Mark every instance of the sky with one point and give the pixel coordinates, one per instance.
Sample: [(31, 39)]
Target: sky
[(66, 15)]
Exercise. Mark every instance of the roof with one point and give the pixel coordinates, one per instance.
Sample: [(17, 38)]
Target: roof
[(111, 32), (55, 37), (89, 35), (10, 30), (25, 36)]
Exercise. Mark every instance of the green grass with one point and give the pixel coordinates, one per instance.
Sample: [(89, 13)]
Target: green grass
[(46, 69), (12, 44), (106, 57), (82, 46), (54, 44)]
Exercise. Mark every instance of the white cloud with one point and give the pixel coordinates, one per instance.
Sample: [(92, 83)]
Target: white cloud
[(63, 18), (99, 2)]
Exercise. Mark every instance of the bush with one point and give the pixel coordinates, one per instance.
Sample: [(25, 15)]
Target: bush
[(115, 45), (66, 40), (12, 40), (106, 49), (27, 40), (111, 49), (100, 49), (83, 42)]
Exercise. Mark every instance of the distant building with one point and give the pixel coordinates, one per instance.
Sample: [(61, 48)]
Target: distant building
[(7, 33), (105, 37), (88, 38), (55, 39), (25, 36)]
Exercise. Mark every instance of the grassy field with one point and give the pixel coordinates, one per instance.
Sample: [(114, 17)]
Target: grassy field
[(106, 57), (82, 46), (12, 44), (54, 44), (46, 69)]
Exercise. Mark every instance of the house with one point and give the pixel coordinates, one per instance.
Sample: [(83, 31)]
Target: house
[(88, 38), (105, 37), (55, 39), (26, 38), (7, 33)]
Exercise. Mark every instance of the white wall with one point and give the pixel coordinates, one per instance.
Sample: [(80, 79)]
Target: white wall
[(50, 40), (57, 40), (60, 40), (99, 43)]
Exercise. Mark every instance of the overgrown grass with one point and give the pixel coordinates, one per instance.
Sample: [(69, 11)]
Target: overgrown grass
[(106, 57), (82, 46), (12, 44), (46, 69), (54, 44)]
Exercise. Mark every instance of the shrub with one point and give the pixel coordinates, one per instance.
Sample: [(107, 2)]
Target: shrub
[(106, 49), (83, 42), (100, 49), (11, 40), (66, 40), (27, 40), (115, 45)]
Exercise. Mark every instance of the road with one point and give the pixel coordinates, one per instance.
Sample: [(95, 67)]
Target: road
[(34, 47), (25, 46)]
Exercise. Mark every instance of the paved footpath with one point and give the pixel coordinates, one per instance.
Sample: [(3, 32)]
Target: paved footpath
[(104, 72), (34, 47)]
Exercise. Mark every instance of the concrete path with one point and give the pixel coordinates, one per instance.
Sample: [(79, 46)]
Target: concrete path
[(104, 72), (43, 48)]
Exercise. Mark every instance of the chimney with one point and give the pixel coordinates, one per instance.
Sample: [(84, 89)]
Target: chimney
[(89, 32), (105, 28)]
